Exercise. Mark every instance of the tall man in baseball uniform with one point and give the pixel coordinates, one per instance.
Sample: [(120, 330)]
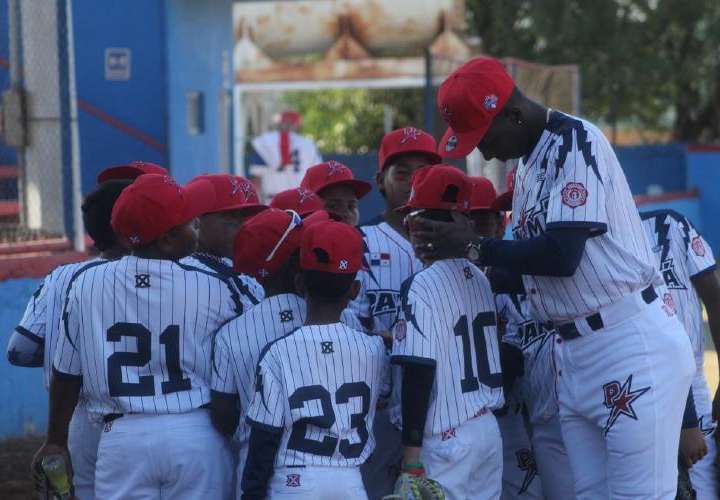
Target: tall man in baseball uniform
[(446, 342), (520, 472), (624, 363), (317, 387), (335, 184), (235, 201), (136, 335), (390, 260), (687, 265), (267, 248), (286, 155)]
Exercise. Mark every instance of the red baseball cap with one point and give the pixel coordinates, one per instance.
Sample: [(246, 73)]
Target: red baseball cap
[(469, 99), (302, 200), (503, 203), (232, 192), (331, 247), (154, 204), (131, 171), (266, 242), (333, 173), (482, 194), (290, 118), (442, 187), (405, 141)]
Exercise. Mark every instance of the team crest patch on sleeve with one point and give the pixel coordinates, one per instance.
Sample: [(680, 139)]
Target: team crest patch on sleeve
[(400, 330), (574, 194), (619, 400), (698, 247)]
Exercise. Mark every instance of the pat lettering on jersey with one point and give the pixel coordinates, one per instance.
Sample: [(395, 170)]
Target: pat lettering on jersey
[(383, 301), (532, 220), (670, 276), (533, 332)]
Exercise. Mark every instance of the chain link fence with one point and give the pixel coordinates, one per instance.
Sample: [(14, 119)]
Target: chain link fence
[(39, 176)]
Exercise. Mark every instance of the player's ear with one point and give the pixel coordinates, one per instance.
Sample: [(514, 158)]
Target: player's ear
[(354, 290)]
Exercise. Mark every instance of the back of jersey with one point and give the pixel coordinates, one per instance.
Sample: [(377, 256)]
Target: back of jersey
[(319, 386), (139, 332), (449, 321)]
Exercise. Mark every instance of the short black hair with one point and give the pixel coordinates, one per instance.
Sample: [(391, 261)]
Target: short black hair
[(97, 210), (327, 287)]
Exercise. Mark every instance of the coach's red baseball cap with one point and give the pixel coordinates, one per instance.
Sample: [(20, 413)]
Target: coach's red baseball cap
[(265, 243), (333, 173), (154, 204), (442, 187), (331, 247), (406, 141), (302, 200), (469, 99), (232, 192), (130, 171), (503, 203), (482, 194)]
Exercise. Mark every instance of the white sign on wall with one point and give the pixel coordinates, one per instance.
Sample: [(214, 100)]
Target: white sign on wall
[(117, 63)]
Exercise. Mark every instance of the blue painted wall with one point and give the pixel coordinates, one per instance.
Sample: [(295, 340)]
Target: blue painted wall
[(7, 154), (23, 399), (197, 35), (140, 102), (661, 164), (704, 174)]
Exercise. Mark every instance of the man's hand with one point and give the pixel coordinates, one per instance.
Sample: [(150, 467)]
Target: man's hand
[(692, 445), (59, 480), (441, 240)]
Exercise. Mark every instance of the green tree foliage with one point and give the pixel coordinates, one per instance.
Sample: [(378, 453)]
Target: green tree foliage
[(651, 62), (351, 121)]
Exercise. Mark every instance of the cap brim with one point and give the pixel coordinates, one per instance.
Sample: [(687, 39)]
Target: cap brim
[(462, 144), (121, 172), (360, 188), (248, 208), (503, 202), (199, 199), (434, 157)]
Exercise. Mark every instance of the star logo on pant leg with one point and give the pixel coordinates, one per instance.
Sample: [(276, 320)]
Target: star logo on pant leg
[(619, 400)]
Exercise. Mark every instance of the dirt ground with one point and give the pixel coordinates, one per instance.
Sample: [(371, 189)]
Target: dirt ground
[(15, 456)]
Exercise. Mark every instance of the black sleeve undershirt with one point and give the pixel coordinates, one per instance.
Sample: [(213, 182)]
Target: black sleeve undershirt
[(258, 470), (556, 252), (417, 382)]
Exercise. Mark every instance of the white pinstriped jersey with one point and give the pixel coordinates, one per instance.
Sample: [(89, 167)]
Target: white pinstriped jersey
[(448, 320), (139, 332), (681, 254), (249, 291), (319, 387), (573, 179), (537, 342), (391, 260), (41, 319), (239, 343)]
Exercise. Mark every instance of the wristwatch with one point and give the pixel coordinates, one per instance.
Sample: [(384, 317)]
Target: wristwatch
[(473, 251)]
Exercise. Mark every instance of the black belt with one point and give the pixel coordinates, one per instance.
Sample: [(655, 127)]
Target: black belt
[(569, 331), (114, 416)]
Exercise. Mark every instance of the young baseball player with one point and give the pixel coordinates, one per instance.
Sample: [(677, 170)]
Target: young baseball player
[(235, 201), (267, 249), (340, 191), (317, 387), (390, 260), (519, 466), (624, 365), (687, 265), (301, 200), (130, 171), (446, 342), (34, 340), (136, 334)]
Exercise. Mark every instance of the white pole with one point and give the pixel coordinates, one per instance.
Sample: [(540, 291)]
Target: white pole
[(79, 236)]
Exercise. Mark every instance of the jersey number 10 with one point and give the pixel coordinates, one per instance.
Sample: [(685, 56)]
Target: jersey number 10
[(145, 386), (485, 376)]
